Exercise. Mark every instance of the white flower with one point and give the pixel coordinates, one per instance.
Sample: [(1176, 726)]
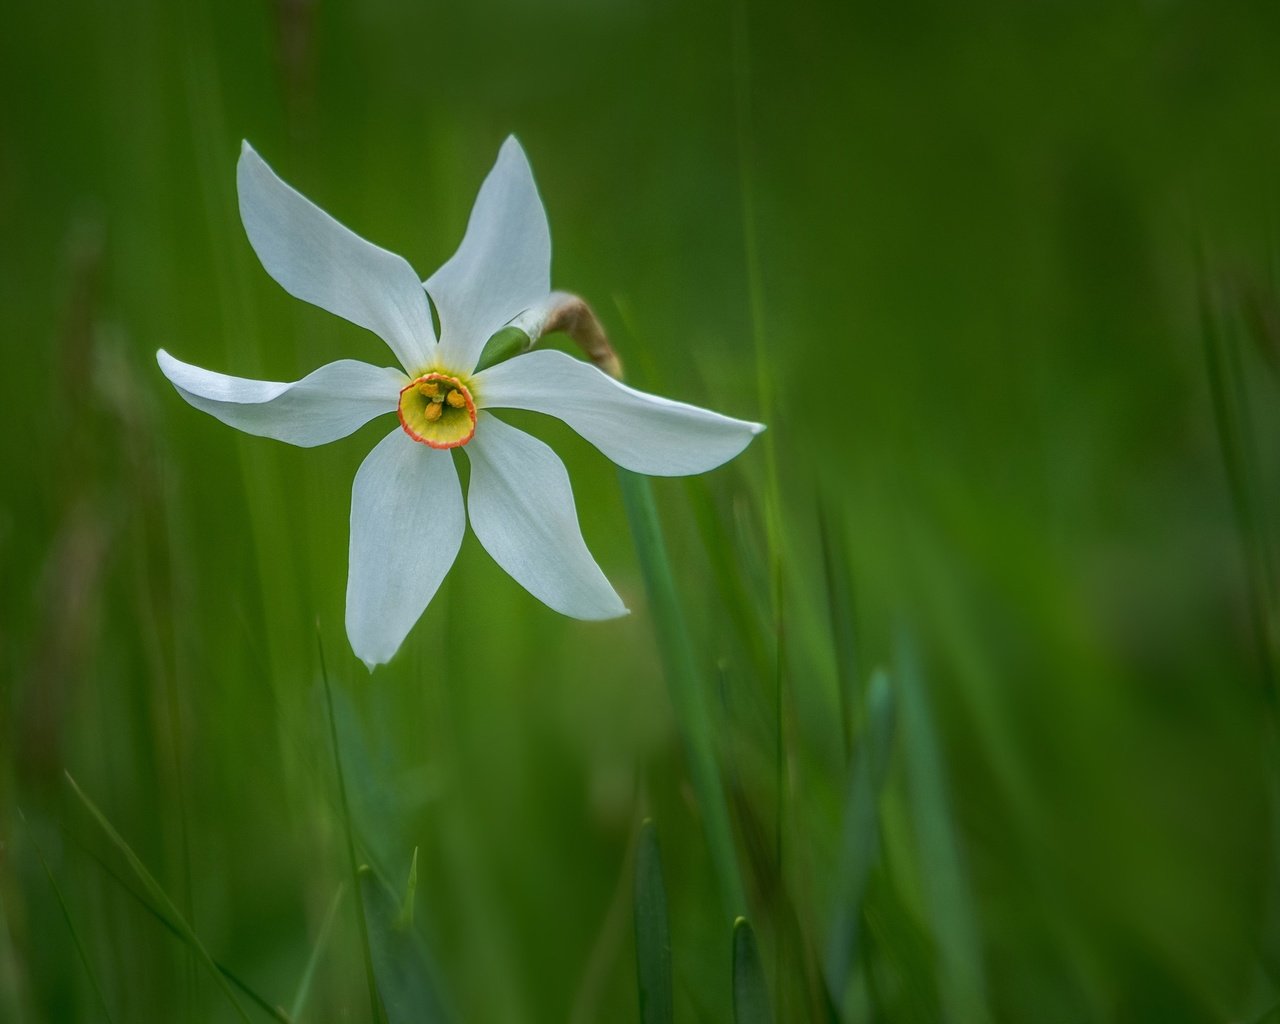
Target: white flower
[(407, 513)]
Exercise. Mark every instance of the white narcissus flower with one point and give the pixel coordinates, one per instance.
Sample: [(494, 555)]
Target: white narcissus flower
[(407, 513)]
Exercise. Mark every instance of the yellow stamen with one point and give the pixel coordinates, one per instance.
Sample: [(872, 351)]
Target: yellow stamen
[(437, 410)]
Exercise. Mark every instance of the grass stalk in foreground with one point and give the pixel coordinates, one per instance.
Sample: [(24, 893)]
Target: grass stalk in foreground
[(402, 965), (653, 932), (71, 925), (685, 684), (159, 898), (952, 911), (835, 565), (741, 49), (1233, 420), (375, 1007), (750, 992), (247, 990), (313, 961), (860, 835)]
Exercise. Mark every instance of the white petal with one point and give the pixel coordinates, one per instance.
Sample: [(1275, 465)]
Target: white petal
[(521, 508), (327, 404), (407, 522), (640, 432), (502, 267), (316, 259)]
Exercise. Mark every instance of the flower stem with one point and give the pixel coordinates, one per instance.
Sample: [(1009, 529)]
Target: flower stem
[(685, 685)]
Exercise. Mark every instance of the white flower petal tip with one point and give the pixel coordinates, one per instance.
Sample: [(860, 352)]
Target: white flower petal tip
[(316, 259), (407, 522), (503, 265), (522, 511), (641, 432), (329, 403)]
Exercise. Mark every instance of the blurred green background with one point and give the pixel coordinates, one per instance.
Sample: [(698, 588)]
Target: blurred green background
[(993, 274)]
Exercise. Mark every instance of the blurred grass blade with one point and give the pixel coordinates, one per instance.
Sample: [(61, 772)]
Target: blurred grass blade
[(947, 897), (860, 836), (750, 993), (159, 897), (402, 964), (653, 935), (176, 930), (1233, 419), (322, 940), (685, 684), (405, 920), (738, 597), (66, 914), (835, 563), (374, 1008)]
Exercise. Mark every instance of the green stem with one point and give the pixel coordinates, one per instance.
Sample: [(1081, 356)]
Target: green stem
[(684, 683)]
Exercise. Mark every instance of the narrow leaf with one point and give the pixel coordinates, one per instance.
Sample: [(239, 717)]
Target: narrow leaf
[(402, 964), (158, 896), (684, 682), (950, 903), (653, 937), (405, 919), (313, 961), (374, 1009), (178, 932), (860, 835), (750, 993), (66, 914), (835, 563)]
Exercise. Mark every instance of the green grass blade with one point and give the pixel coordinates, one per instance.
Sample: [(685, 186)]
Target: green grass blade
[(176, 930), (750, 993), (947, 896), (313, 961), (685, 684), (860, 837), (71, 925), (835, 564), (741, 601), (764, 367), (159, 897), (405, 920), (1231, 418), (402, 964), (375, 1009), (653, 936)]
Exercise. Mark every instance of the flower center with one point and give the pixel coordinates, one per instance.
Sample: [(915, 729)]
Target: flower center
[(438, 410)]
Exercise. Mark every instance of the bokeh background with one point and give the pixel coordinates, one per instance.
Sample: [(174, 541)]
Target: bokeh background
[(1002, 279)]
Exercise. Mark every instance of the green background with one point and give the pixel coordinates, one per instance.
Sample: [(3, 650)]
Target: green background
[(963, 259)]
